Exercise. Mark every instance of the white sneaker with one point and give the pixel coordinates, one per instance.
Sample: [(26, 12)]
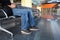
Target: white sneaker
[(27, 32)]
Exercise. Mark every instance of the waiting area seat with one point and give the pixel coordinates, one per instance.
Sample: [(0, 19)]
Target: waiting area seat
[(7, 22)]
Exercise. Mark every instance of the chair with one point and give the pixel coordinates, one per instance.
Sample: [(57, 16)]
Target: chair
[(7, 22)]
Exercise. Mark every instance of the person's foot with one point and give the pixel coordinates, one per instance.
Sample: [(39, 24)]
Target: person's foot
[(34, 28), (26, 32)]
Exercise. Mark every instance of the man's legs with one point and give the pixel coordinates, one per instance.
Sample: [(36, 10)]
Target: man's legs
[(32, 21), (24, 19), (31, 18), (24, 23)]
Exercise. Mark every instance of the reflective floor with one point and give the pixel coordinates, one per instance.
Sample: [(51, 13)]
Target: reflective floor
[(49, 30)]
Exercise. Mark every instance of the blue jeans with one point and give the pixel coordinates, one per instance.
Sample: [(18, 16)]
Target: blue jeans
[(27, 18)]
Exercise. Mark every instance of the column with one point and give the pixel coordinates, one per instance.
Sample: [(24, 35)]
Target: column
[(26, 3)]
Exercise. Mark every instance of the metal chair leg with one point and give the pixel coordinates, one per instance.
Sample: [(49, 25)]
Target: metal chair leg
[(7, 32)]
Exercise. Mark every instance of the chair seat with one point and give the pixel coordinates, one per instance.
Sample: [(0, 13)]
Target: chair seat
[(10, 22)]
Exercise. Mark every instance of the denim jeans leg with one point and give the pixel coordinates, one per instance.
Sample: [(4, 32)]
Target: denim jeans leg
[(31, 18), (24, 17), (24, 20)]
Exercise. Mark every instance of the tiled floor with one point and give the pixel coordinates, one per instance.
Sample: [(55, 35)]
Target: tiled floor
[(49, 30)]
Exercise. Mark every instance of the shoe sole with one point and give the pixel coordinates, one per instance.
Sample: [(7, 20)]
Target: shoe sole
[(34, 29), (25, 33)]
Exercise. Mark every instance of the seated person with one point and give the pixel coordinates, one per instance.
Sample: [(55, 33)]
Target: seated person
[(27, 19)]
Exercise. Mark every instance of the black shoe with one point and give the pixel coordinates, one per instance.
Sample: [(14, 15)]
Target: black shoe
[(26, 32), (34, 28)]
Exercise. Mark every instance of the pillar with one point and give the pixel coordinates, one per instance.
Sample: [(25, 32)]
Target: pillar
[(26, 3)]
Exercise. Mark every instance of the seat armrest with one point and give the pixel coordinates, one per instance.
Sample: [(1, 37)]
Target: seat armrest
[(5, 19), (11, 16)]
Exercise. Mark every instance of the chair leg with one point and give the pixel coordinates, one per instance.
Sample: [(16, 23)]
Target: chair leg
[(7, 32)]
